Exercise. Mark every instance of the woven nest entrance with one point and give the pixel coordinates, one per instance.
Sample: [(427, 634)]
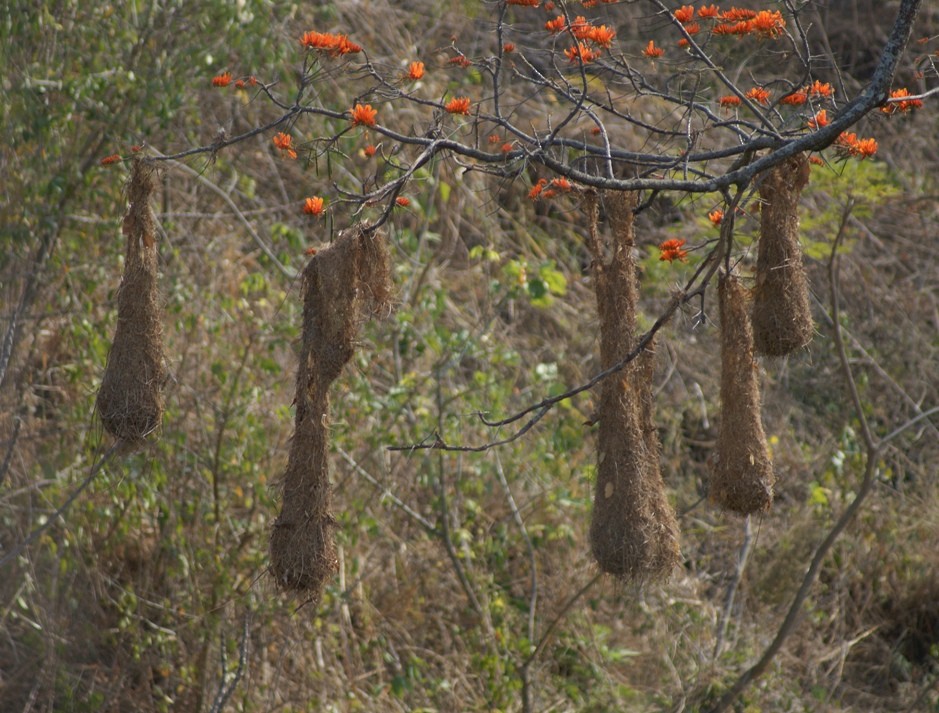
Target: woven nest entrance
[(633, 530), (130, 400), (341, 286), (742, 475), (782, 317)]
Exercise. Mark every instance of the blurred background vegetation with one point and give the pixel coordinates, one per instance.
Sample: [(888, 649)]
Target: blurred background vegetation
[(465, 581)]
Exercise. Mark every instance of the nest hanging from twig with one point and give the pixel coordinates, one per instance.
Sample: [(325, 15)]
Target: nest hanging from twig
[(742, 475), (341, 286), (633, 530), (130, 400), (782, 317)]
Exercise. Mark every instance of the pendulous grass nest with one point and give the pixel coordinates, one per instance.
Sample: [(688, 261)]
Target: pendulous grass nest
[(341, 286), (130, 400), (633, 530)]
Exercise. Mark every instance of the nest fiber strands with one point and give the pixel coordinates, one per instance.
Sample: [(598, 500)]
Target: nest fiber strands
[(633, 530), (782, 318), (130, 401), (742, 475), (342, 285)]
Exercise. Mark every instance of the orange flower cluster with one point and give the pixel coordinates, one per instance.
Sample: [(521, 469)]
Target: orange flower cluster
[(684, 14), (652, 51), (819, 120), (797, 98), (415, 70), (758, 94), (221, 80), (460, 105), (508, 47), (369, 150), (672, 250), (363, 115), (546, 190), (460, 61), (582, 30), (249, 82), (730, 100), (402, 201), (716, 216), (903, 105), (851, 145), (820, 89), (740, 21), (284, 142), (335, 45), (112, 159), (313, 206), (581, 52)]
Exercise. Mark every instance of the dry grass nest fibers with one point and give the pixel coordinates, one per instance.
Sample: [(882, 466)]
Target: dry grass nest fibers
[(633, 530), (742, 475), (130, 401), (341, 285), (782, 317)]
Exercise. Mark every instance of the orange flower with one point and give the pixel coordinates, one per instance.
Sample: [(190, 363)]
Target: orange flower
[(310, 251), (508, 47), (108, 160), (652, 51), (730, 100), (769, 23), (494, 138), (562, 184), (816, 160), (363, 115), (581, 52), (819, 120), (716, 216), (708, 12), (794, 99), (460, 105), (537, 188), (865, 148), (732, 28), (556, 25), (671, 250), (820, 89), (285, 143), (370, 150), (313, 206), (683, 42), (335, 45), (853, 146), (759, 95), (506, 148), (580, 27), (402, 201), (415, 70), (684, 14), (903, 105), (460, 61), (221, 80), (736, 13), (239, 84), (601, 35), (693, 28)]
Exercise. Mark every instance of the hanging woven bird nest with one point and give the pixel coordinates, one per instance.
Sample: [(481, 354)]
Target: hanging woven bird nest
[(782, 317), (130, 401), (742, 475), (341, 285), (633, 530)]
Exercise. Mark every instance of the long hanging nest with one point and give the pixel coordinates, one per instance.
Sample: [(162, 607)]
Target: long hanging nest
[(782, 318), (633, 530), (130, 401), (742, 475), (341, 286)]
